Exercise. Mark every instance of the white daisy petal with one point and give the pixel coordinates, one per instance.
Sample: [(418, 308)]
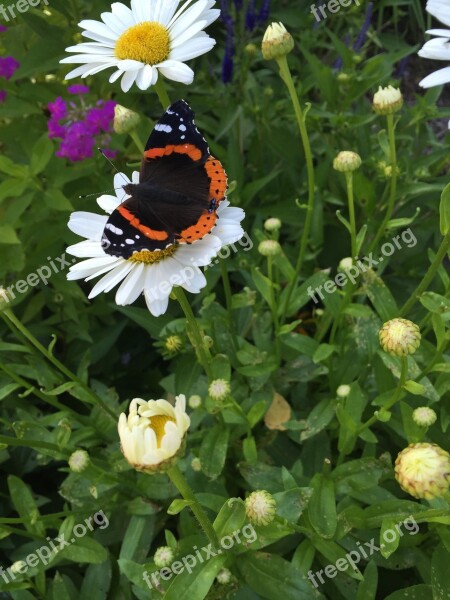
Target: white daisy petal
[(86, 249), (145, 77), (78, 71), (186, 34), (177, 71), (192, 48), (437, 78), (108, 203), (436, 49), (188, 18), (132, 286), (99, 28), (115, 76), (440, 10), (156, 307), (109, 281), (130, 65), (88, 225), (107, 42), (91, 48), (127, 80), (123, 13), (113, 22)]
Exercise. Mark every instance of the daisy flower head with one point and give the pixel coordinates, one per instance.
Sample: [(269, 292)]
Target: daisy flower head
[(151, 37), (152, 274), (437, 48)]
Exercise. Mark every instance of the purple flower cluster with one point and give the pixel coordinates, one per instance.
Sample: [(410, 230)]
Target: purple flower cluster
[(8, 66), (253, 18), (81, 127)]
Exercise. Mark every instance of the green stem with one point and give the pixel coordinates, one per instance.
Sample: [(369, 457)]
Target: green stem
[(137, 140), (228, 300), (391, 201), (203, 353), (15, 323), (351, 211), (185, 490), (395, 397), (287, 78), (440, 255), (274, 309), (160, 89)]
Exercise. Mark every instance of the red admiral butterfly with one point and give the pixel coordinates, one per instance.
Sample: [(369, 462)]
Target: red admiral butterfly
[(180, 187)]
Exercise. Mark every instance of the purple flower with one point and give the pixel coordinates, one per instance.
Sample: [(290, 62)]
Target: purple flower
[(264, 11), (2, 96), (55, 130), (99, 118), (250, 17), (77, 143), (8, 66), (58, 109), (3, 28), (78, 89), (359, 43)]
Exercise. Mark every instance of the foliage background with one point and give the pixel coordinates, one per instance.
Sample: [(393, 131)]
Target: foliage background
[(120, 351)]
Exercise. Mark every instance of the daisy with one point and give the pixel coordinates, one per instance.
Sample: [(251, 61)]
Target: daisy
[(437, 48), (139, 42), (153, 433), (152, 273)]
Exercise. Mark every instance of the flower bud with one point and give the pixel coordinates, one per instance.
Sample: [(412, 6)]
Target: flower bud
[(345, 264), (125, 120), (163, 557), (269, 248), (260, 507), (387, 101), (153, 434), (400, 337), (277, 42), (424, 416), (195, 401), (272, 224), (78, 461), (219, 389), (5, 299), (173, 344), (423, 470), (223, 576), (251, 49), (196, 464), (347, 161), (343, 391)]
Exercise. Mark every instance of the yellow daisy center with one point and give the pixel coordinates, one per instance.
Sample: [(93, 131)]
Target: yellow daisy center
[(149, 258), (147, 42), (158, 424)]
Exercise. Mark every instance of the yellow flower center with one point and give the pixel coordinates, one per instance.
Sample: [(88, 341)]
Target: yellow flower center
[(147, 42), (158, 424), (149, 258)]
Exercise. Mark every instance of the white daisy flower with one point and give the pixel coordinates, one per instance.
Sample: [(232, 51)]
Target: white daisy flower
[(152, 434), (439, 47), (151, 37), (152, 273)]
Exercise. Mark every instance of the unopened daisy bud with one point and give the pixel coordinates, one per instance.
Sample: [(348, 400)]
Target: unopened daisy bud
[(423, 470), (272, 224), (343, 77), (251, 49), (223, 576), (219, 389), (153, 434), (343, 391), (345, 264), (424, 416), (164, 556), (387, 101), (78, 461), (208, 341), (269, 248), (125, 120), (260, 507), (173, 343), (195, 401), (5, 299), (196, 464), (400, 337), (277, 42), (347, 161)]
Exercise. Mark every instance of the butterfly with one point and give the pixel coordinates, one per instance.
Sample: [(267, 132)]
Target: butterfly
[(180, 188)]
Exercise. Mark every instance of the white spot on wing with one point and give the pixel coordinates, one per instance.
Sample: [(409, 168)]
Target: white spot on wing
[(182, 127), (114, 229), (127, 241), (161, 127)]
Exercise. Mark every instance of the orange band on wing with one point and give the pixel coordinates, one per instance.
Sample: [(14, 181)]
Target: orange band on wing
[(153, 234), (216, 173), (192, 151), (199, 230)]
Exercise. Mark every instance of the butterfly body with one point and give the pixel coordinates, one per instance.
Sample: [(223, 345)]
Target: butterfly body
[(180, 188)]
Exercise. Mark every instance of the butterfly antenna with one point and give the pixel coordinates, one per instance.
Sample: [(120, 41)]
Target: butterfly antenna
[(112, 164), (98, 193)]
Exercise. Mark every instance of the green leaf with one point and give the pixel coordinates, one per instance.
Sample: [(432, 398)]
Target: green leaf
[(367, 589), (323, 352), (292, 503), (138, 538), (177, 505), (322, 506), (414, 388), (263, 285), (213, 450), (380, 296), (96, 582), (8, 235), (439, 574), (25, 505), (83, 550), (415, 592), (12, 169), (41, 154), (273, 577), (444, 210), (344, 221), (231, 517), (194, 583), (56, 200)]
